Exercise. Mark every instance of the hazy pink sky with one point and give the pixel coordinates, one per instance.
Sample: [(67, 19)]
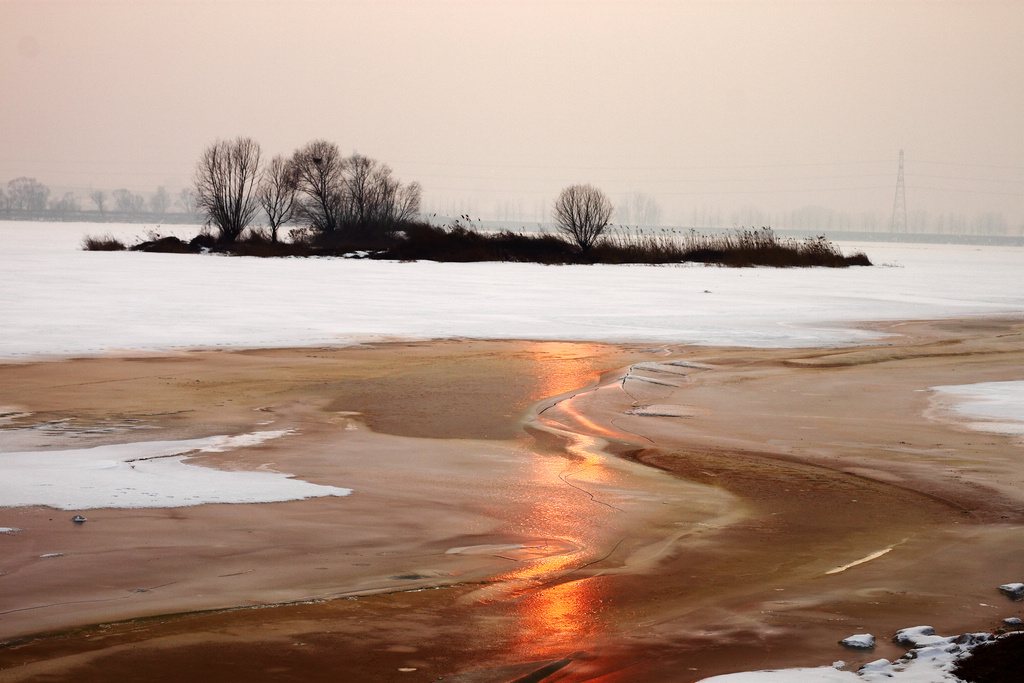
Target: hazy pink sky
[(714, 104)]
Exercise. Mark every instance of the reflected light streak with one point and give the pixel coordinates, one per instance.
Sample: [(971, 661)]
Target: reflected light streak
[(567, 406), (563, 366), (550, 612), (558, 615)]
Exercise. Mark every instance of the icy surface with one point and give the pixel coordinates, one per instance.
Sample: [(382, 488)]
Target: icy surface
[(144, 474), (991, 406), (57, 299), (663, 411)]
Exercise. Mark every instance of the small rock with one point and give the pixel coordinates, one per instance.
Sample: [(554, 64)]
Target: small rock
[(1014, 591), (1013, 621), (860, 641), (78, 519)]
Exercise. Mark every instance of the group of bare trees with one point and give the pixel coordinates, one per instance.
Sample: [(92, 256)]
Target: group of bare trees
[(338, 197), (335, 196), (348, 197), (27, 196)]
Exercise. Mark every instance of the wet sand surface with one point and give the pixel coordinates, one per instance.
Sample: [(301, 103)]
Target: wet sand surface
[(521, 511)]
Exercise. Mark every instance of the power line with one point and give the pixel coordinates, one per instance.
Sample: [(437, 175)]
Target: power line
[(899, 207)]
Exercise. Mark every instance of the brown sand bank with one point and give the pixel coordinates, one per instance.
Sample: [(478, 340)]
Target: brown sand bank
[(777, 475)]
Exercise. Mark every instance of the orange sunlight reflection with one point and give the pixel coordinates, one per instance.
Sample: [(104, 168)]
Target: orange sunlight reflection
[(568, 407), (562, 366), (550, 612), (553, 599)]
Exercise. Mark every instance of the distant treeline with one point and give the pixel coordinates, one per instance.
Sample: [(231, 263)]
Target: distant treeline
[(26, 199), (142, 217)]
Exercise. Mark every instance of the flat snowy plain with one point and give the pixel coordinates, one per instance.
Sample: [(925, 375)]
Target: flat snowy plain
[(56, 300)]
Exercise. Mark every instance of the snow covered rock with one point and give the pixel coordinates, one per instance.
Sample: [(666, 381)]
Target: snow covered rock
[(921, 636), (879, 666), (859, 641), (1014, 591), (908, 636), (1013, 621)]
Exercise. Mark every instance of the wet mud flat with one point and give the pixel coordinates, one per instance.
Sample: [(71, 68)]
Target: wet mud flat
[(547, 511)]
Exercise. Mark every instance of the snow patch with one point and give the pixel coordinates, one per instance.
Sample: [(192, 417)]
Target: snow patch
[(996, 407), (144, 475)]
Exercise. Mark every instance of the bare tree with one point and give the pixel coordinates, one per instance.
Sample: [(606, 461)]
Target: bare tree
[(374, 199), (65, 205), (407, 203), (639, 209), (582, 213), (99, 198), (225, 180), (278, 193), (160, 201), (127, 201), (4, 201), (187, 201), (363, 182), (27, 194), (318, 172)]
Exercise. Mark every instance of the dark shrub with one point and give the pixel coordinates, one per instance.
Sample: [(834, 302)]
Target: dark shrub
[(203, 241), (165, 245), (104, 243)]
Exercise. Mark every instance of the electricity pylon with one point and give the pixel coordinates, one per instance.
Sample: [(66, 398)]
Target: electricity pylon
[(899, 207)]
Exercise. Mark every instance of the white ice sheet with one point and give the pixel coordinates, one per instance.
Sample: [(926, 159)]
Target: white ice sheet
[(57, 299), (147, 474)]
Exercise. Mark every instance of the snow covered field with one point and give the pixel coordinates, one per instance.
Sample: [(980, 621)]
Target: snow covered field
[(57, 299)]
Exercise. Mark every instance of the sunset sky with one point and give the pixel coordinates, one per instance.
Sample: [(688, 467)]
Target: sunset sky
[(494, 106)]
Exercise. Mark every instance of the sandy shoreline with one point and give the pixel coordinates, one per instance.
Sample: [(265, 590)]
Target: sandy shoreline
[(729, 530)]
